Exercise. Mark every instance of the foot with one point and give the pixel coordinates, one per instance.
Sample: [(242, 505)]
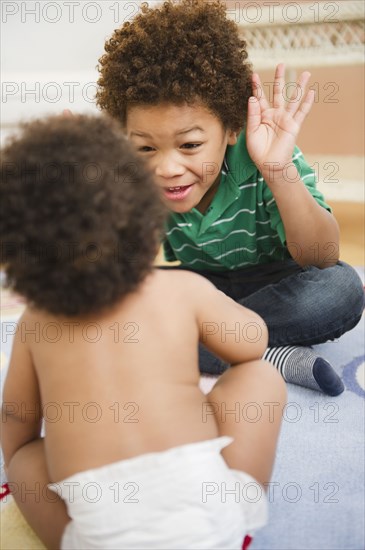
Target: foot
[(301, 366)]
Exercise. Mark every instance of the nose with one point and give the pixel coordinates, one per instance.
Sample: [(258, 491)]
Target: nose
[(169, 166)]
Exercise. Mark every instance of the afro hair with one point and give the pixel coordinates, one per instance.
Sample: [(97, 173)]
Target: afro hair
[(81, 216), (180, 52)]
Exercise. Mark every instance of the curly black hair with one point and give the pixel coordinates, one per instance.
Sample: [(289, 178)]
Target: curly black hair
[(185, 52), (81, 216)]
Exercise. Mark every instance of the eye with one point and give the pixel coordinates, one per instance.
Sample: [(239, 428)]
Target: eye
[(145, 149), (190, 145)]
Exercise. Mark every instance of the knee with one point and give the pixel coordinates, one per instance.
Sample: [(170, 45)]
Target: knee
[(266, 381), (348, 287), (26, 461), (274, 381)]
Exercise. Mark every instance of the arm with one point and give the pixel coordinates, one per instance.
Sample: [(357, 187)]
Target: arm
[(271, 136), (231, 331), (24, 451), (21, 410)]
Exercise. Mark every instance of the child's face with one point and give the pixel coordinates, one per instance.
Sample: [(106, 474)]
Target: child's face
[(185, 147)]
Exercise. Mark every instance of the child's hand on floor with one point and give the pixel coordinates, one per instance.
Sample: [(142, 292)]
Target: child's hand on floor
[(272, 130)]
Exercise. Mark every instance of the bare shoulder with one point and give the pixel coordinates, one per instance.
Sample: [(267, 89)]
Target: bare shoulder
[(32, 315), (205, 299), (28, 316), (184, 282)]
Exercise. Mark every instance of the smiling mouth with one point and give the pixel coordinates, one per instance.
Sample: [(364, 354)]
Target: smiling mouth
[(177, 187), (178, 192)]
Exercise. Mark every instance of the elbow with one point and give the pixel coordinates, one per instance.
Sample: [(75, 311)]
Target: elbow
[(330, 254), (326, 255), (255, 338), (264, 340), (321, 264), (324, 264), (260, 336), (329, 250)]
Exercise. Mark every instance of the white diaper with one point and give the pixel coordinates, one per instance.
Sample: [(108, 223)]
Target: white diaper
[(184, 497)]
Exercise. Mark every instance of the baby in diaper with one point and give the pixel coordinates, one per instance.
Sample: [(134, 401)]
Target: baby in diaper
[(105, 358)]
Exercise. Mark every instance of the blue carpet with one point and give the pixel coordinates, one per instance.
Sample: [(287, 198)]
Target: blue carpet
[(317, 487)]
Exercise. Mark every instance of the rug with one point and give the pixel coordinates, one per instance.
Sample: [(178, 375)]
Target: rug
[(316, 494)]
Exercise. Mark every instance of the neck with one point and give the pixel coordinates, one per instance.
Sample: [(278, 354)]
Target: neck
[(209, 195)]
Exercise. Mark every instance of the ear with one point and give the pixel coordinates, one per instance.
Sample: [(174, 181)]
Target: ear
[(231, 137)]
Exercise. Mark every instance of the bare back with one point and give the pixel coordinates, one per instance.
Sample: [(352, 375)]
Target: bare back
[(122, 384)]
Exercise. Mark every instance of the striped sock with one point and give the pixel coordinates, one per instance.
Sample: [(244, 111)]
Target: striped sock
[(301, 366)]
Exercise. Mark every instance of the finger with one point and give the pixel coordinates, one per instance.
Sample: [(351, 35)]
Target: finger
[(258, 92), (298, 93), (304, 108), (253, 115), (279, 83)]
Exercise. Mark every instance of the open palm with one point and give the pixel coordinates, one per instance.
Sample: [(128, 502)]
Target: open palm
[(272, 130)]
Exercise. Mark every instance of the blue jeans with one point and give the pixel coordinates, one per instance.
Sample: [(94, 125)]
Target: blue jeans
[(300, 305)]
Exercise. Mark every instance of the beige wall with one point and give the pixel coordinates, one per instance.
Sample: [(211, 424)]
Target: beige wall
[(336, 123)]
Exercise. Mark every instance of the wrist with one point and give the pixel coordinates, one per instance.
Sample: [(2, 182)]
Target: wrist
[(279, 174)]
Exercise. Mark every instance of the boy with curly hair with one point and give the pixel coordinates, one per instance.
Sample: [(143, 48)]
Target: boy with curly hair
[(131, 456), (245, 211)]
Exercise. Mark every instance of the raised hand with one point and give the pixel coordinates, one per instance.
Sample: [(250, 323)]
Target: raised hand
[(272, 130)]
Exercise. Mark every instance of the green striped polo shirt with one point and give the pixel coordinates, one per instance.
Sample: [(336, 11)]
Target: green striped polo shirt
[(242, 226)]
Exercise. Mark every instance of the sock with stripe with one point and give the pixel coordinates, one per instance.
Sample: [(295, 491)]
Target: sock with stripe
[(301, 366)]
